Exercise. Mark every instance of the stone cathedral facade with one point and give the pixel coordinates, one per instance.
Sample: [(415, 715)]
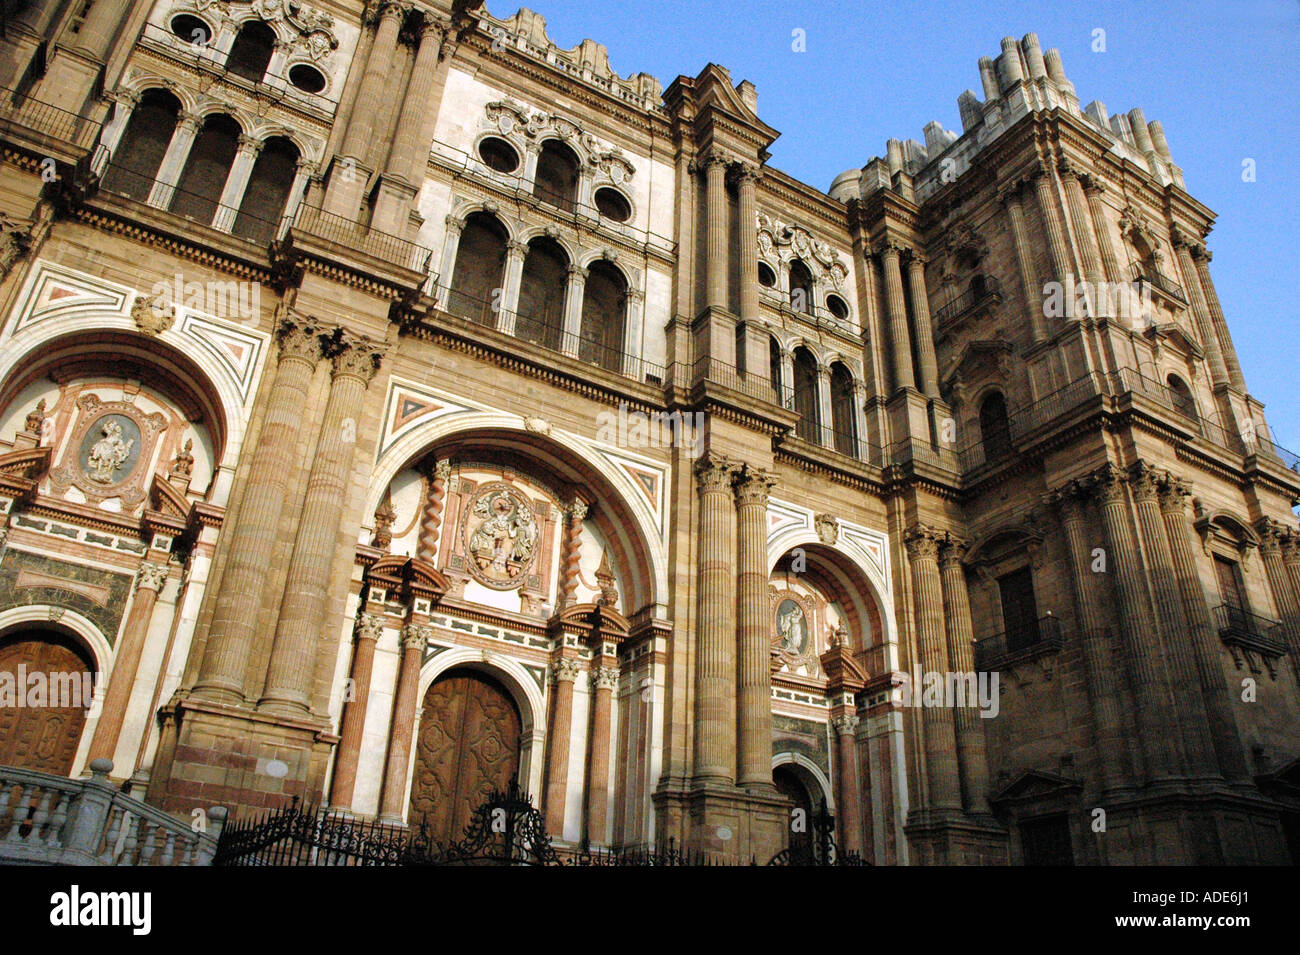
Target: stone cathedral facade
[(394, 405)]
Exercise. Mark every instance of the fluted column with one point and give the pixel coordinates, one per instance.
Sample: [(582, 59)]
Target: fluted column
[(896, 305), (400, 737), (746, 189), (604, 678), (572, 335), (1172, 624), (850, 807), (1025, 262), (972, 757), (924, 333), (303, 607), (563, 672), (575, 513), (409, 153), (1291, 558), (1056, 244), (1083, 230), (252, 542), (1094, 188), (150, 579), (232, 194), (719, 244), (1183, 243), (1137, 624), (368, 105), (431, 517), (1201, 256), (1214, 686), (753, 631), (99, 27), (940, 733), (366, 633), (715, 687), (1111, 741), (1272, 536)]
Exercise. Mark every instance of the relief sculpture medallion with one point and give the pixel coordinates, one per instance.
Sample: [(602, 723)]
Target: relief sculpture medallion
[(501, 537)]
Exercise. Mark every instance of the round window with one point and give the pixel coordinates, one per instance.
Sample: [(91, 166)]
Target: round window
[(306, 78), (191, 29), (498, 154), (612, 205), (837, 307), (766, 277)]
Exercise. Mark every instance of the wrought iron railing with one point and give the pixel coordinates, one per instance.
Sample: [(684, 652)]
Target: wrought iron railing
[(1145, 273), (966, 301), (352, 234), (709, 369), (19, 112), (1237, 624), (1018, 644)]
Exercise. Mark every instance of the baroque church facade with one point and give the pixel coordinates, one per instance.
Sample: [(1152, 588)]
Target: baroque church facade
[(394, 404)]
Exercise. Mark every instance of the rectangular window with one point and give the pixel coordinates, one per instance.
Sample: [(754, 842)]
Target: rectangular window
[(1232, 592), (1019, 609)]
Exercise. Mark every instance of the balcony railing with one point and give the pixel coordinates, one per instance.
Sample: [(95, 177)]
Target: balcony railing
[(19, 113), (709, 369), (966, 301), (1249, 631), (1151, 276), (1019, 644), (351, 234)]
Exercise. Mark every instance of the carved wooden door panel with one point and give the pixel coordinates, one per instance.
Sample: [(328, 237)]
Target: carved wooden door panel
[(468, 746), (41, 737)]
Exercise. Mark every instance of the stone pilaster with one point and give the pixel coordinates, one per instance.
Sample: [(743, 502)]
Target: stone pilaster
[(303, 608), (1272, 536), (1094, 188), (229, 645), (604, 679), (564, 672), (899, 333), (924, 333), (972, 757), (1052, 225), (1083, 230), (944, 789), (1025, 262), (753, 632), (1205, 642), (1201, 256), (715, 687), (149, 580), (401, 735), (343, 783), (1183, 244)]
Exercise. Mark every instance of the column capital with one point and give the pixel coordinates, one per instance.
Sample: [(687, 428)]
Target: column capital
[(189, 122), (1291, 546), (845, 725), (516, 248), (952, 549), (151, 576), (1180, 238), (922, 542), (890, 246), (577, 274), (752, 484), (604, 678), (1010, 194), (356, 357), (453, 224), (1173, 492), (1107, 484), (442, 470), (126, 97), (300, 337), (1272, 535), (916, 259), (1093, 184), (706, 163), (369, 626), (1201, 255), (1069, 169), (714, 472), (576, 510), (1145, 481), (415, 636), (745, 173), (564, 671), (378, 10)]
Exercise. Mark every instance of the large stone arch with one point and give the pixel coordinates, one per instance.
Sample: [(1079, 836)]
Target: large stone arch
[(809, 772), (635, 532)]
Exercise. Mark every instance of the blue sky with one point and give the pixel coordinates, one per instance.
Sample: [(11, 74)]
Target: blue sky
[(1220, 77)]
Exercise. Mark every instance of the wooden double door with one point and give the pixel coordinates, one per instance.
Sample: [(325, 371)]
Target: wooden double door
[(42, 737), (467, 747)]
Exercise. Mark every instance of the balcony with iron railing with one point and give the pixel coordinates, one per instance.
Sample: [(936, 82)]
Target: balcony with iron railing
[(1145, 274), (1019, 644), (44, 128), (1240, 629), (947, 315), (338, 239)]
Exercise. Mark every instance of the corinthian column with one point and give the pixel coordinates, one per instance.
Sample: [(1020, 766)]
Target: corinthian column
[(1083, 229), (414, 639), (746, 180), (1103, 689), (252, 542), (410, 150), (148, 581), (1094, 188), (1272, 536), (753, 632), (924, 333), (1137, 623), (1056, 244), (970, 734), (715, 686), (563, 672), (1025, 262), (99, 27), (1183, 244), (1205, 642), (1201, 256), (719, 244), (895, 304), (940, 736), (366, 634), (302, 609)]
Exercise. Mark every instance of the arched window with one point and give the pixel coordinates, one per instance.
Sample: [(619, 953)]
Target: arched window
[(540, 315), (480, 264), (842, 417), (806, 404), (144, 143), (251, 52), (801, 288), (604, 299), (775, 370), (199, 188), (556, 180), (995, 431), (268, 190), (1184, 403)]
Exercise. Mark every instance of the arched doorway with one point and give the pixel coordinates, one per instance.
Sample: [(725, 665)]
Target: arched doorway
[(55, 677), (799, 829), (468, 746)]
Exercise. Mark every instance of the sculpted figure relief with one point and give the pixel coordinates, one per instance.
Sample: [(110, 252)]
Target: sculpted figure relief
[(108, 453)]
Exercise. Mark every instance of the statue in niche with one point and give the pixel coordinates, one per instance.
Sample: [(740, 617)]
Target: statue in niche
[(109, 453), (791, 627)]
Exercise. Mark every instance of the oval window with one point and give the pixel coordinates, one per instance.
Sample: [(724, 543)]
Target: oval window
[(191, 29), (498, 154), (306, 78), (766, 277), (612, 205), (837, 307)]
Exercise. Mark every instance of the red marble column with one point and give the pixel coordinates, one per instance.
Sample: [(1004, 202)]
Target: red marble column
[(563, 672), (850, 809), (604, 678), (414, 637), (369, 627)]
